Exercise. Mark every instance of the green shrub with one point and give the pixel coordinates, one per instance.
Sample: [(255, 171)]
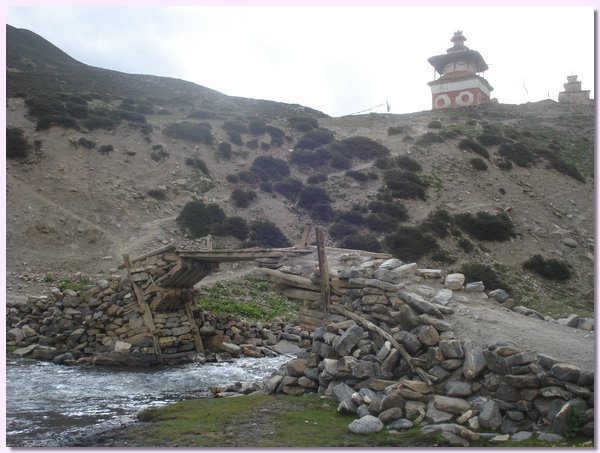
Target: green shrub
[(257, 127), (158, 153), (270, 168), (489, 139), (405, 184), (200, 219), (429, 138), (408, 164), (321, 157), (557, 163), (224, 150), (362, 148), (232, 178), (133, 117), (437, 223), (357, 175), (486, 227), (311, 195), (316, 179), (105, 149), (478, 164), (195, 132), (275, 132), (266, 146), (466, 245), (384, 163), (467, 144), (303, 123), (550, 268), (266, 186), (322, 211), (85, 143), (395, 210), (252, 144), (395, 130), (410, 243), (203, 114), (434, 124), (477, 272), (235, 138), (159, 194), (358, 241), (504, 164), (94, 122), (17, 146), (381, 222), (235, 126), (66, 122), (517, 153), (290, 188), (242, 198), (266, 234), (197, 163), (248, 177), (352, 217), (77, 110), (339, 230), (442, 256), (43, 105), (315, 138), (236, 227)]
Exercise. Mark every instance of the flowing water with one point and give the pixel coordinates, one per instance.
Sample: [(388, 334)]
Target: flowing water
[(50, 405)]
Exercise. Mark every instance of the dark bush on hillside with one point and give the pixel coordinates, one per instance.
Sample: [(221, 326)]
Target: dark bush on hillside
[(290, 188), (467, 144), (242, 198), (437, 223), (517, 153), (362, 148), (224, 150), (381, 223), (352, 217), (429, 138), (236, 227), (66, 122), (319, 158), (367, 242), (275, 132), (105, 149), (203, 115), (315, 138), (478, 164), (395, 130), (476, 272), (249, 177), (159, 194), (232, 178), (550, 268), (257, 127), (40, 106), (77, 110), (557, 163), (235, 138), (17, 146), (339, 230), (442, 256), (133, 117), (322, 211), (410, 243), (266, 146), (396, 210), (384, 163), (303, 123), (466, 245), (357, 175), (266, 187), (486, 227), (252, 144), (405, 184), (94, 122), (435, 124), (198, 164), (312, 195), (200, 219), (159, 153), (316, 179), (195, 132), (504, 164), (267, 234), (408, 164), (85, 143), (270, 168), (489, 139), (235, 126)]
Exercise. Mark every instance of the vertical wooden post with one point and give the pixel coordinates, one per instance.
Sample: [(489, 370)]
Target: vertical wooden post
[(323, 269), (303, 242), (146, 312), (195, 333), (209, 245)]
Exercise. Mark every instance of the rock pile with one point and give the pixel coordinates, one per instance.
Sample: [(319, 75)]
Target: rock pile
[(394, 361)]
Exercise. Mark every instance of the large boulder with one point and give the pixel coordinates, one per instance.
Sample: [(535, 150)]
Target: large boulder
[(366, 425)]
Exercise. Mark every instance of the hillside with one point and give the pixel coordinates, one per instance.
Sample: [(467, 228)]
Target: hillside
[(115, 157)]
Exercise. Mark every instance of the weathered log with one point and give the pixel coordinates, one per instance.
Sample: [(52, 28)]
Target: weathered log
[(301, 294), (166, 248), (288, 279)]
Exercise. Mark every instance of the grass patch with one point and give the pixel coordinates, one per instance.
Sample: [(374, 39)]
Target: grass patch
[(251, 299)]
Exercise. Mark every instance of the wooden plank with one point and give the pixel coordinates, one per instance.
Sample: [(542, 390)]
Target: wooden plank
[(301, 294), (314, 313), (288, 279), (303, 241), (229, 255), (323, 268), (146, 312), (166, 248), (195, 332), (178, 355)]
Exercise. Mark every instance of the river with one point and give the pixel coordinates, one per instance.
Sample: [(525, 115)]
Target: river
[(50, 405)]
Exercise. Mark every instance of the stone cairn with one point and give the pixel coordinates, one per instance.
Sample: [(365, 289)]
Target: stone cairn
[(389, 356)]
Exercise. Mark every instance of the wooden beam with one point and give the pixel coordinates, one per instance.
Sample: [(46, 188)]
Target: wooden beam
[(288, 279), (303, 241), (195, 332), (323, 269), (228, 255), (166, 248)]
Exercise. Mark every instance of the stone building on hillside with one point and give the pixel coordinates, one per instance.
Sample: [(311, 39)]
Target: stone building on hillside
[(459, 84), (573, 93)]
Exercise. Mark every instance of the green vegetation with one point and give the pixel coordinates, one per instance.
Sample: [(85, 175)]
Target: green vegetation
[(471, 145), (429, 138), (395, 210), (194, 132), (551, 269), (159, 194), (357, 175), (270, 168), (407, 163), (105, 149), (395, 130), (478, 164), (236, 227), (410, 243), (517, 153), (251, 299), (159, 153), (359, 147), (198, 164), (200, 219), (242, 198), (434, 124), (311, 195), (477, 272), (315, 138), (437, 222), (264, 233), (360, 241), (303, 123), (290, 188), (224, 150), (77, 284), (486, 227), (405, 184), (17, 146)]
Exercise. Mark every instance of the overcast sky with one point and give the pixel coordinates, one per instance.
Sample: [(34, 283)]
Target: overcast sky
[(337, 59)]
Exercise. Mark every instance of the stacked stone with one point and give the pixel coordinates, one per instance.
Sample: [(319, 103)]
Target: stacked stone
[(431, 379)]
